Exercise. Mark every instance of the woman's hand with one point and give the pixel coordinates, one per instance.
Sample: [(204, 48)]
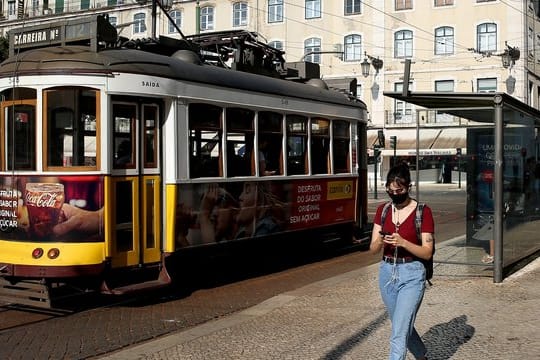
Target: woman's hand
[(395, 240)]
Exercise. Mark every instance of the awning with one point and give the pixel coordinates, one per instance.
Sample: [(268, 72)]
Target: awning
[(473, 106)]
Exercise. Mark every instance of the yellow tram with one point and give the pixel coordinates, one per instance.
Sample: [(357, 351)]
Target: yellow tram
[(115, 154)]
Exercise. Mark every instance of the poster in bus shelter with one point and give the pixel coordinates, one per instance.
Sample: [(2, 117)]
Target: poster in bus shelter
[(481, 176), (210, 213), (51, 208)]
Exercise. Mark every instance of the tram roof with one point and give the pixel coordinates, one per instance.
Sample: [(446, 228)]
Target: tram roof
[(81, 60), (473, 106)]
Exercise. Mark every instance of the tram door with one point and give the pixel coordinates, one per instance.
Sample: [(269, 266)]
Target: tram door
[(135, 185)]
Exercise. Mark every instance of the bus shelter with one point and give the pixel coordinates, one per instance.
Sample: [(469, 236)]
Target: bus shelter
[(503, 171)]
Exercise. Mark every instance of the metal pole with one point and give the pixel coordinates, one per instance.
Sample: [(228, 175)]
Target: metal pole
[(375, 165), (197, 18), (154, 18), (498, 183), (459, 170), (418, 156)]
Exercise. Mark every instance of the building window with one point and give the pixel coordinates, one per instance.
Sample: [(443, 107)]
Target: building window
[(12, 9), (403, 44), (139, 24), (486, 37), (353, 48), (313, 9), (530, 45), (403, 4), (537, 48), (402, 110), (240, 14), (487, 85), (352, 7), (444, 86), (176, 17), (275, 11), (444, 40), (312, 48), (443, 2), (113, 20), (207, 18), (276, 44), (35, 8)]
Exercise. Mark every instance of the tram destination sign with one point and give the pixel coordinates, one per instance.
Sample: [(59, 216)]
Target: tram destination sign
[(87, 30), (37, 37)]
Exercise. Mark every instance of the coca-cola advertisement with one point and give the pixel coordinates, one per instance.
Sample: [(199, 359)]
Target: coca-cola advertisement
[(67, 208)]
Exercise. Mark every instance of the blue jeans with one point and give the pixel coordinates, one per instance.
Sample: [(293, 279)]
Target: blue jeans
[(402, 289)]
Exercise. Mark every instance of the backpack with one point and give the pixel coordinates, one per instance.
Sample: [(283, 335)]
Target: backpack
[(428, 264)]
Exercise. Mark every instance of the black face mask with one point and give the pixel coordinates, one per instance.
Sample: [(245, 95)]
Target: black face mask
[(399, 198)]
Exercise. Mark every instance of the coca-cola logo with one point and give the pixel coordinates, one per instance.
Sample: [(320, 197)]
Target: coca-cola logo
[(44, 199)]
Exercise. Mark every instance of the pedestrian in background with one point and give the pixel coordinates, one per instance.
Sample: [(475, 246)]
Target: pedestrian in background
[(401, 274)]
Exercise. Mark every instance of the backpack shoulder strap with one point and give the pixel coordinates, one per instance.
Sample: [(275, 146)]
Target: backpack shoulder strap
[(384, 212)]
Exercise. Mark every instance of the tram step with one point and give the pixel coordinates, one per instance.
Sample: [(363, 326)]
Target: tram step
[(163, 280), (27, 292)]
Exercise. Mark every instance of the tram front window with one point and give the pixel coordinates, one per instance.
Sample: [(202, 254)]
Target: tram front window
[(71, 127), (18, 116)]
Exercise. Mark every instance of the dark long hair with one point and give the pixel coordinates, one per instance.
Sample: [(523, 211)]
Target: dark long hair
[(400, 174)]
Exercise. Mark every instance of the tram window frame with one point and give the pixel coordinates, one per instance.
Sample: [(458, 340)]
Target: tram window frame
[(204, 120), (240, 133), (74, 105), (124, 124), (18, 146), (270, 135), (297, 144), (150, 131), (320, 146), (341, 139)]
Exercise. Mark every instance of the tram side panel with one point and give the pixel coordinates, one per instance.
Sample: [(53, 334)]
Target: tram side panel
[(220, 212), (41, 218)]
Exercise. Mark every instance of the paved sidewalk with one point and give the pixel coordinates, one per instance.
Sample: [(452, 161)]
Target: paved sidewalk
[(462, 317)]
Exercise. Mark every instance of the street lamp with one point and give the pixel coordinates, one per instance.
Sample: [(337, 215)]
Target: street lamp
[(509, 56), (376, 62)]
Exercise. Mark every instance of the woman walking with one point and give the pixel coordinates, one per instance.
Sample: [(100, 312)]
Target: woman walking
[(401, 273)]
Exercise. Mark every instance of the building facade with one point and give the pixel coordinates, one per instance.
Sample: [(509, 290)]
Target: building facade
[(453, 46)]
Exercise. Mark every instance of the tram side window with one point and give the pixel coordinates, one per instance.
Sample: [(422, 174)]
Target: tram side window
[(270, 143), (320, 145), (205, 131), (239, 141), (71, 127), (297, 145), (341, 139), (18, 128), (124, 116)]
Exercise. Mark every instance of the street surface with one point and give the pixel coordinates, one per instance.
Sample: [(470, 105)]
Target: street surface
[(211, 289)]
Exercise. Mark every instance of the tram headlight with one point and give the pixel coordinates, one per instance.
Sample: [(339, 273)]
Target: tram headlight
[(53, 253), (37, 253)]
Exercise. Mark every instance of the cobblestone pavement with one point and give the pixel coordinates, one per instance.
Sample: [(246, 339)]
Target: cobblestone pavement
[(462, 317)]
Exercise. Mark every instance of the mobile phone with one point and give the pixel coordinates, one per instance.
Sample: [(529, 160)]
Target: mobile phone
[(384, 233)]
